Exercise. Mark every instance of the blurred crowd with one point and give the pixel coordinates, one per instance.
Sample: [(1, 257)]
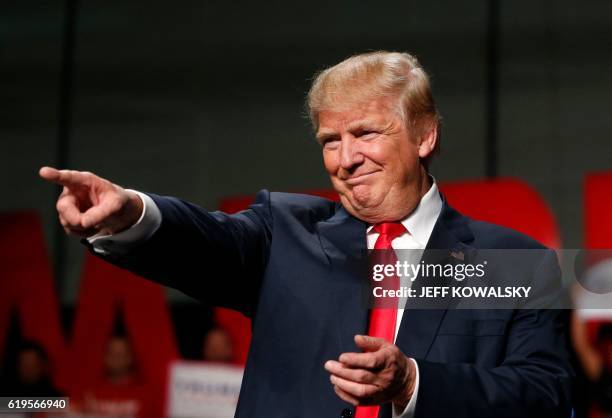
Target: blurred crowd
[(122, 390)]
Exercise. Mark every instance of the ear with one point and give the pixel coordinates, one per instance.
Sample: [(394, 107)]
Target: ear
[(429, 140)]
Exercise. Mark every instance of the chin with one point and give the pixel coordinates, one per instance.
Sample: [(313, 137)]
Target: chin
[(363, 201), (364, 197)]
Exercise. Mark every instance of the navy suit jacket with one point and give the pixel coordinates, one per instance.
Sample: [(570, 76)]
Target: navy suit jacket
[(286, 262)]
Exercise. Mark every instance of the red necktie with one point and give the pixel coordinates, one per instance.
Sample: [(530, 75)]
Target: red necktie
[(383, 315)]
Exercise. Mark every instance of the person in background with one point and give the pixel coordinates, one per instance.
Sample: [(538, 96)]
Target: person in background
[(591, 334), (218, 346), (33, 373), (121, 392)]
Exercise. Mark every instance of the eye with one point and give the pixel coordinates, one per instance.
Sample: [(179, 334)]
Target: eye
[(367, 134), (331, 143)]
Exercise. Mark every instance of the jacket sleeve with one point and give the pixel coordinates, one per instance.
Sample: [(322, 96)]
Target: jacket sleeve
[(214, 257)]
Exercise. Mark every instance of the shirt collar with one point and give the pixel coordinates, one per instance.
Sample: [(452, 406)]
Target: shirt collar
[(421, 221)]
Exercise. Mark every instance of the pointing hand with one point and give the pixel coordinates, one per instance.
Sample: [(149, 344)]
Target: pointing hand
[(90, 204)]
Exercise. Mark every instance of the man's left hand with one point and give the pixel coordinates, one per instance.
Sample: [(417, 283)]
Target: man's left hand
[(381, 374)]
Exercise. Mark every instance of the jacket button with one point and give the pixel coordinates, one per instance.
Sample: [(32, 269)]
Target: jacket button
[(346, 413)]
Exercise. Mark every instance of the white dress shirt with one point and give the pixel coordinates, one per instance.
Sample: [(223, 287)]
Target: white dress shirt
[(121, 243), (419, 225)]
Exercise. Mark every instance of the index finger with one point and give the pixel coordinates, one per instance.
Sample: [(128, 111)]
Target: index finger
[(370, 360), (369, 343), (67, 178)]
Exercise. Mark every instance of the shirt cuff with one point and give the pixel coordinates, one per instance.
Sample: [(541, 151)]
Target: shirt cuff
[(122, 242), (408, 412)]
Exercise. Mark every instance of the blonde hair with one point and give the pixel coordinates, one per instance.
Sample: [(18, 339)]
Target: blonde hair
[(372, 75)]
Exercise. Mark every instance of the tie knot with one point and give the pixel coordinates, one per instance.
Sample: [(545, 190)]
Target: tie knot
[(392, 230)]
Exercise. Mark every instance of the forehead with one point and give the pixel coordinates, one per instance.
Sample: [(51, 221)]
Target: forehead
[(348, 116)]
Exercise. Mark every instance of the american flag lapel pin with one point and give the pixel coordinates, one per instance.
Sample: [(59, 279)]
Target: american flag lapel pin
[(458, 254)]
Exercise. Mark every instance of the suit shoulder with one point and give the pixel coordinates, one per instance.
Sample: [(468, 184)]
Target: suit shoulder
[(300, 205), (493, 236)]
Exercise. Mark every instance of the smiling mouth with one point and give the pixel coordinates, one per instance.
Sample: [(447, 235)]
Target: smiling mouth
[(358, 179)]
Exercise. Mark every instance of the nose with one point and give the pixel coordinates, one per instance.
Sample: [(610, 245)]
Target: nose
[(350, 155)]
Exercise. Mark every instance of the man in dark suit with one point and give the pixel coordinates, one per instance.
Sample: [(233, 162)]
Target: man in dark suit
[(293, 263)]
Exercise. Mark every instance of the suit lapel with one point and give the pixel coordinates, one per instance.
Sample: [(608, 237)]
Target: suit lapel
[(343, 238), (419, 327)]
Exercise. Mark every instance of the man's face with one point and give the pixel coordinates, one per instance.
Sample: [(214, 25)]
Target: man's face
[(372, 160), (31, 367), (218, 347), (118, 360)]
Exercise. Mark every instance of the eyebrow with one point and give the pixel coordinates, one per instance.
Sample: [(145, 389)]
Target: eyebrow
[(325, 135), (363, 124)]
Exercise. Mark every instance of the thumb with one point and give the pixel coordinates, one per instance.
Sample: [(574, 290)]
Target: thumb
[(96, 215), (368, 343)]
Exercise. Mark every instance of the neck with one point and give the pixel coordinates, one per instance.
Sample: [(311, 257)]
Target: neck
[(413, 198), (409, 199)]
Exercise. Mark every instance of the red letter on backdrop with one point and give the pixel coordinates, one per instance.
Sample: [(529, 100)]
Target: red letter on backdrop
[(508, 202), (598, 210), (104, 288), (27, 285)]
